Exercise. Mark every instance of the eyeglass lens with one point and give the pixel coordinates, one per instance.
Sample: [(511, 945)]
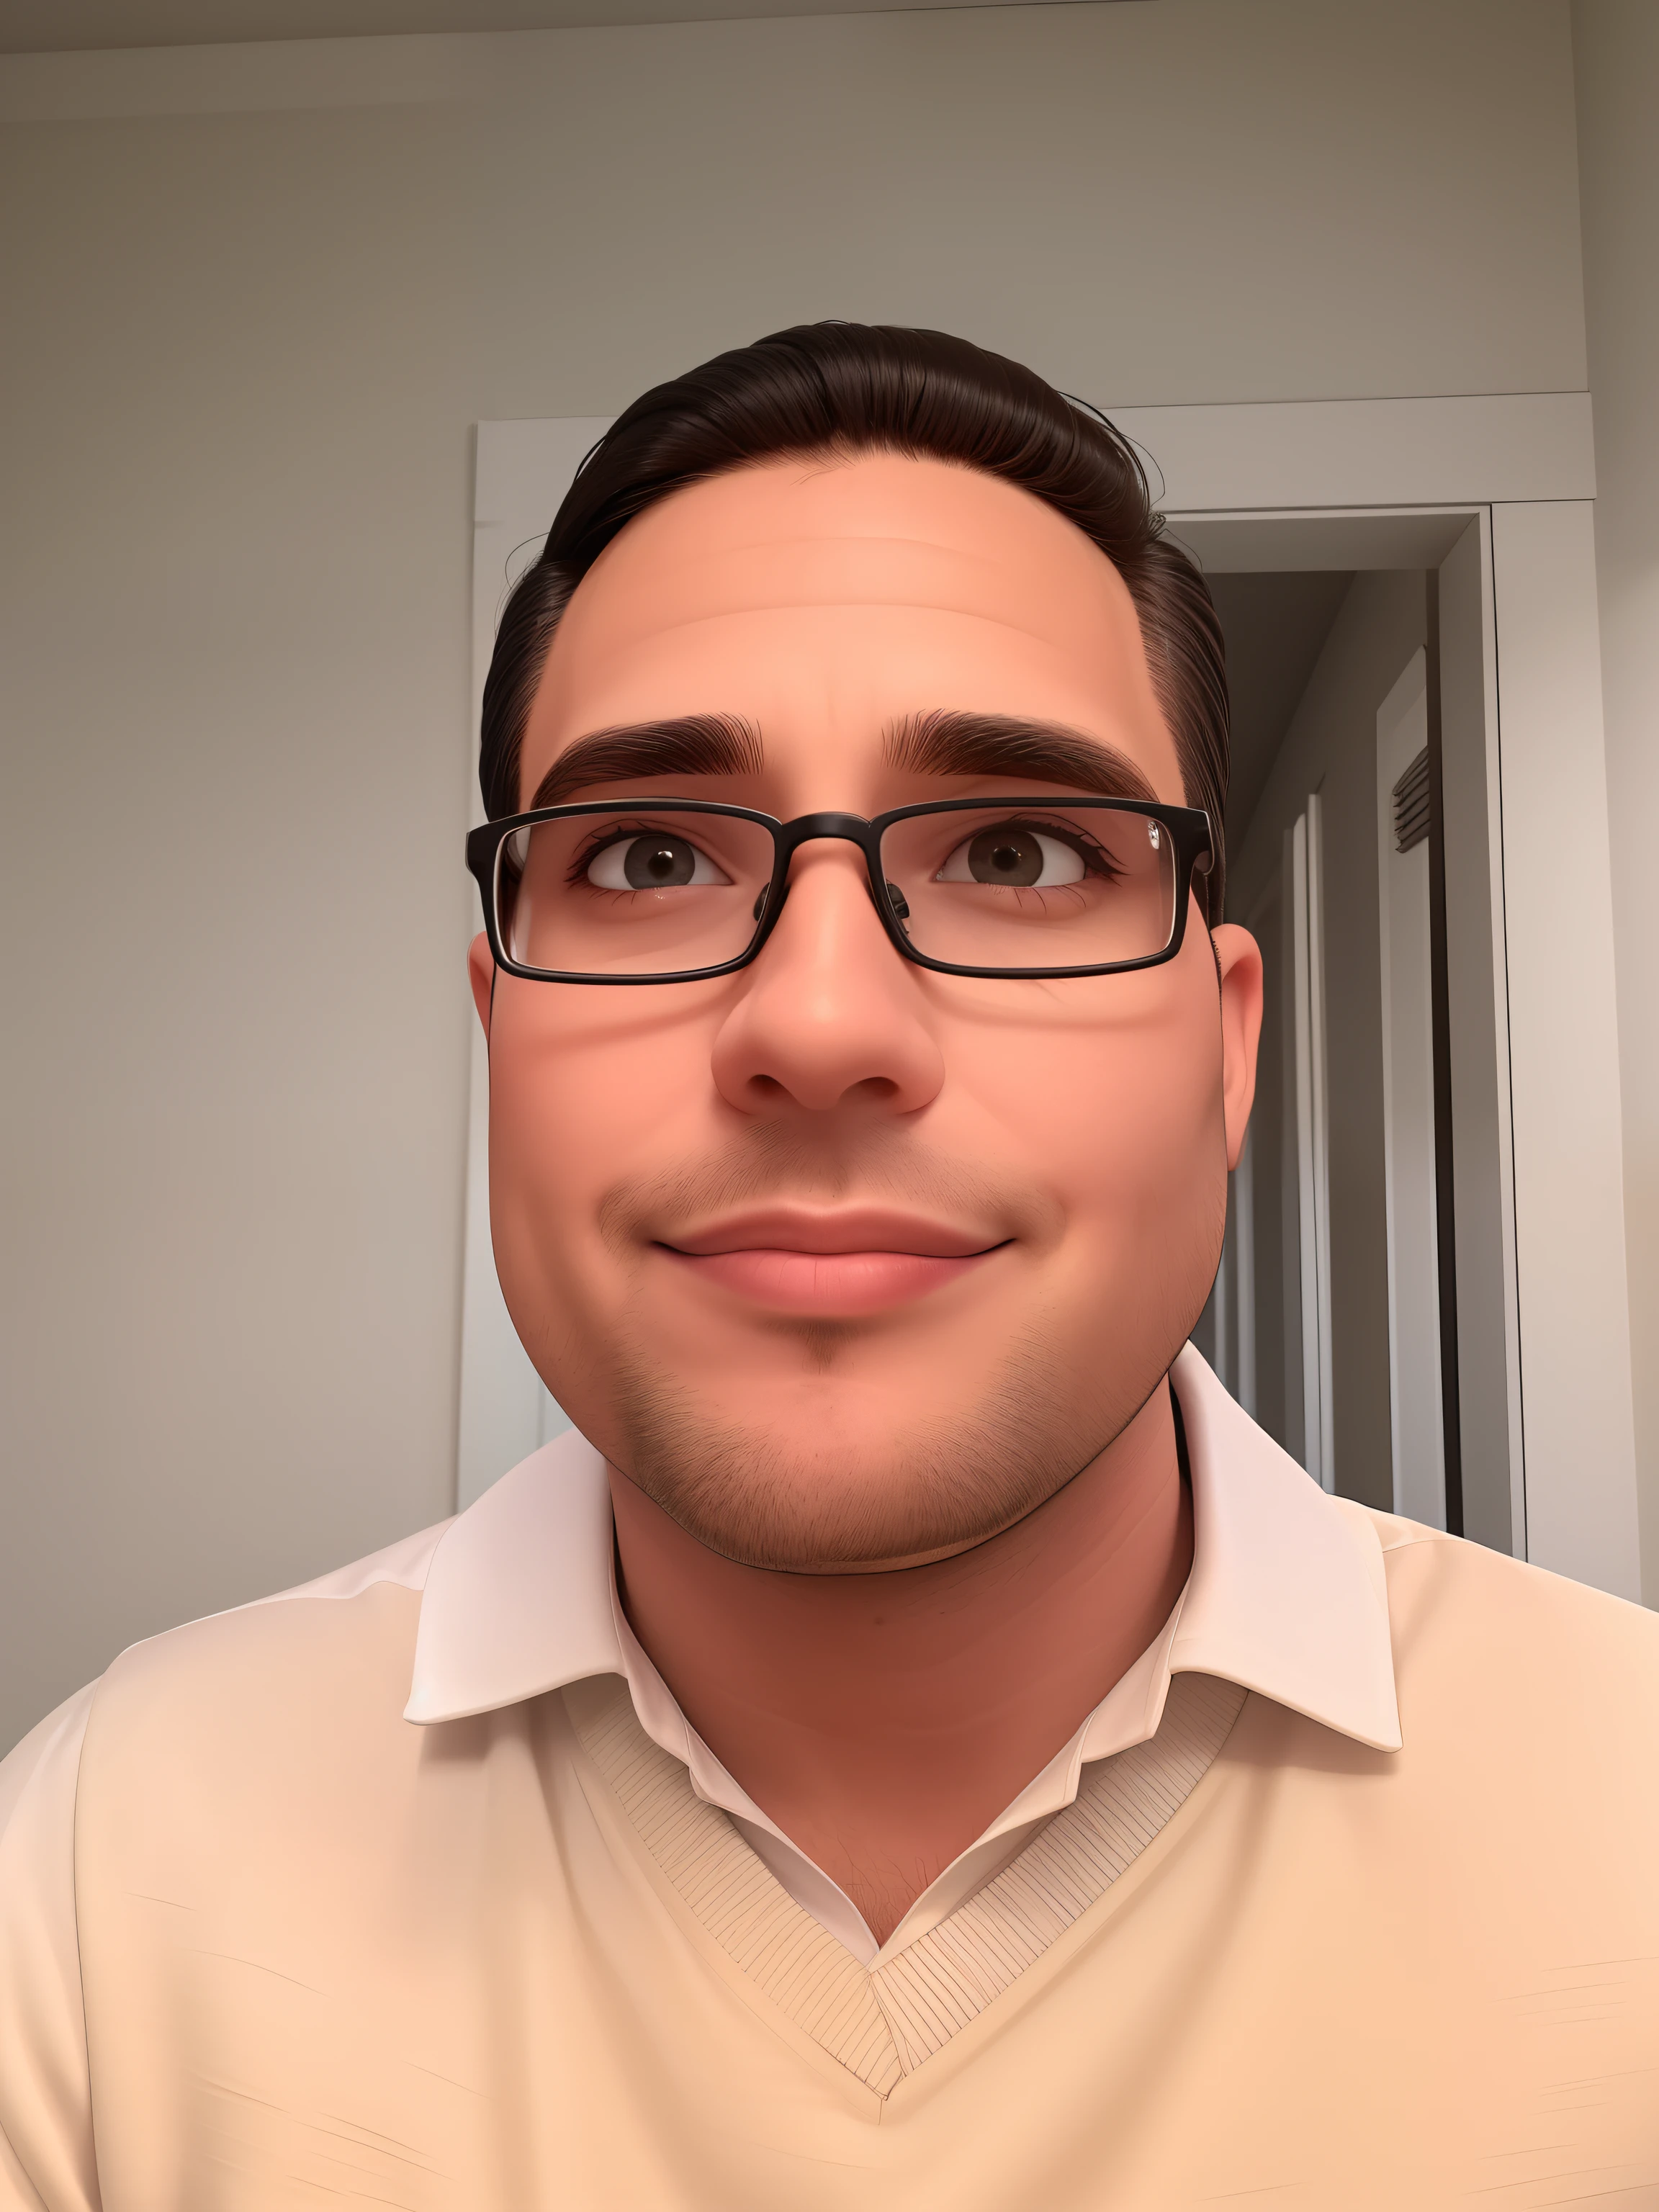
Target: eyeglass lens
[(655, 890)]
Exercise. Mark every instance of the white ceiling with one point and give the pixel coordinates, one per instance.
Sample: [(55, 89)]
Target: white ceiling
[(30, 27)]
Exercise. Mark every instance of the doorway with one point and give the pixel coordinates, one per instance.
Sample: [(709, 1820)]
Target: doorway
[(1334, 1318)]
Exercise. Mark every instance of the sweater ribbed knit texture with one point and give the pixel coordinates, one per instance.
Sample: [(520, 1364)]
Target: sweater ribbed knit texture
[(883, 2022)]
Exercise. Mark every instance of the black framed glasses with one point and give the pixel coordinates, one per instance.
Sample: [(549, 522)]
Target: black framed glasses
[(666, 891)]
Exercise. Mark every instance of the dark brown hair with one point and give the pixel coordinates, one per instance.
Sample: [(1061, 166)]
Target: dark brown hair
[(845, 388)]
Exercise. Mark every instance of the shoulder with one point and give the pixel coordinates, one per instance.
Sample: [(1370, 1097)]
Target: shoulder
[(338, 1608), (1517, 1669), (45, 2102), (179, 1725), (298, 1648), (329, 1655), (1441, 1582)]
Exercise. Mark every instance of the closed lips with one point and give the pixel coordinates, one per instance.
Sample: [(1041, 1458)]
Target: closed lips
[(861, 1230), (837, 1266)]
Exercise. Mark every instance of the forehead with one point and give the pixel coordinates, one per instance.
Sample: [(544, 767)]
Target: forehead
[(822, 600)]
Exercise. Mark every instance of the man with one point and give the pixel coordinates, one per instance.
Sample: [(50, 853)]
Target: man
[(917, 1743)]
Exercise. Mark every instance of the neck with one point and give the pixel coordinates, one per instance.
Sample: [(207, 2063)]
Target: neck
[(884, 1721)]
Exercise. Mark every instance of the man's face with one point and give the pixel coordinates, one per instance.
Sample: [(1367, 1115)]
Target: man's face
[(1010, 1194)]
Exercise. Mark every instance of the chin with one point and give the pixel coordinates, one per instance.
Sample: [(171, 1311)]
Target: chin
[(861, 1481)]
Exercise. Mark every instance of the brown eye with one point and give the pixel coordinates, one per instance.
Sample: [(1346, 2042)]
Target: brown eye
[(654, 860), (1011, 855)]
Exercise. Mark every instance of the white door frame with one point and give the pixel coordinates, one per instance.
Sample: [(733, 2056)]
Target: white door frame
[(1308, 1095), (1328, 483)]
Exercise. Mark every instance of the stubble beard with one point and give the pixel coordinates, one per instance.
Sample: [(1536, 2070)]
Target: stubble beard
[(940, 1488), (937, 1486)]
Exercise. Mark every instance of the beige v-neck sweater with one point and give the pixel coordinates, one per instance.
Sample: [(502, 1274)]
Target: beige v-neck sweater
[(513, 1962)]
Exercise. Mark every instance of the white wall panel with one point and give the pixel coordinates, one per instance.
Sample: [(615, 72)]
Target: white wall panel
[(1564, 1050), (1362, 452)]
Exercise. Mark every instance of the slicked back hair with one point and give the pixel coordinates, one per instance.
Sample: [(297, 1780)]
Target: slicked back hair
[(834, 390)]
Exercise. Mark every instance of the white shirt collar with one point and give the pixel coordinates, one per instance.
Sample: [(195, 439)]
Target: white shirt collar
[(1286, 1597)]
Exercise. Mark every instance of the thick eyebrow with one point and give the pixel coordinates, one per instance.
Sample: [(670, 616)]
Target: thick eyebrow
[(687, 745), (951, 743)]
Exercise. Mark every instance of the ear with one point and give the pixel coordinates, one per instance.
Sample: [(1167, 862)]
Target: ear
[(1239, 959), (481, 971)]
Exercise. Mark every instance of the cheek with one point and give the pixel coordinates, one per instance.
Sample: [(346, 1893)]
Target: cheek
[(586, 1090), (1121, 1119)]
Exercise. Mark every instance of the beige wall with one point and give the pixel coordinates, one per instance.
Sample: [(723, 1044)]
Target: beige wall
[(256, 297), (1616, 50)]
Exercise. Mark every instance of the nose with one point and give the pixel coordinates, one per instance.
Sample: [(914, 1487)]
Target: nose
[(832, 1016)]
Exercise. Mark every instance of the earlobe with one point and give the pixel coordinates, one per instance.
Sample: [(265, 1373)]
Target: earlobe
[(481, 972), (1239, 959)]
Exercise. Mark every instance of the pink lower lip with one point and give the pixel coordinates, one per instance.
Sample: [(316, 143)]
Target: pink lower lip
[(832, 1285)]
